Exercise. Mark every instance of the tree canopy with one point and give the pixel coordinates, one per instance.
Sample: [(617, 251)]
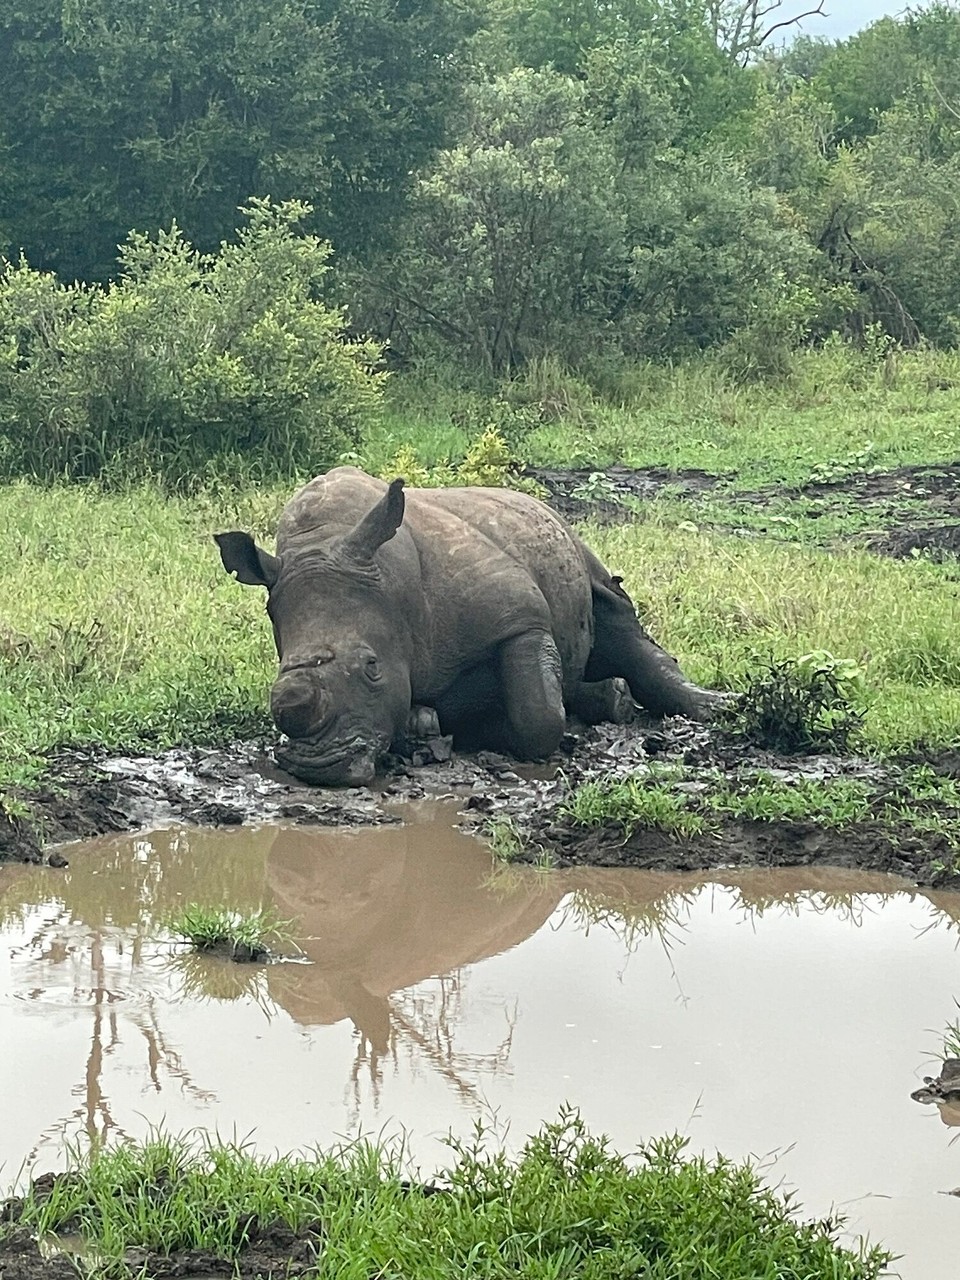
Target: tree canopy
[(501, 179)]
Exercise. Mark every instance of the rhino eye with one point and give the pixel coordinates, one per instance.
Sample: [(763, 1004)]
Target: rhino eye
[(372, 668)]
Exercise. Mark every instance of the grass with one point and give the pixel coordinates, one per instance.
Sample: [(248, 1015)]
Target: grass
[(239, 935), (632, 803), (119, 629), (568, 1207), (118, 626), (685, 804), (838, 414)]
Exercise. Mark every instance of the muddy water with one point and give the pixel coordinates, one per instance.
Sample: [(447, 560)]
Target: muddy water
[(781, 1015)]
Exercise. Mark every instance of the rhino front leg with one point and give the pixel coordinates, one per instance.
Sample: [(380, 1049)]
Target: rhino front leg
[(530, 671)]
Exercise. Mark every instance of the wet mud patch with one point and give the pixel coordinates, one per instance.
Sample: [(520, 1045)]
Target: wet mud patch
[(274, 1250), (915, 509), (893, 831), (939, 543), (605, 494)]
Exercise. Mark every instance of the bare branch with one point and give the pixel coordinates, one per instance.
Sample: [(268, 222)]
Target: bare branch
[(943, 102), (818, 12), (740, 26)]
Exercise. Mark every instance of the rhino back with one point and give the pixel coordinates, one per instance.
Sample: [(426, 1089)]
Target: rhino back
[(495, 563)]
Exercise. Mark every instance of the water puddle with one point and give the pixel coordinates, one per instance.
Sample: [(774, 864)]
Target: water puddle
[(784, 1015)]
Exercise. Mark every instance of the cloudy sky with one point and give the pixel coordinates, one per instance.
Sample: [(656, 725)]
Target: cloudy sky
[(846, 16)]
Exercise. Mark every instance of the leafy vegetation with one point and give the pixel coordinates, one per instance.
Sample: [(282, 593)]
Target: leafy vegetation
[(802, 705), (509, 180), (187, 367), (568, 1206)]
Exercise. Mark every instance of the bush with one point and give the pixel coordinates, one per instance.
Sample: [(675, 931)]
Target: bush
[(225, 363), (803, 705), (488, 463)]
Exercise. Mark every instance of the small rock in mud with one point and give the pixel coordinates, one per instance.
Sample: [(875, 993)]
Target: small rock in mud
[(942, 1088)]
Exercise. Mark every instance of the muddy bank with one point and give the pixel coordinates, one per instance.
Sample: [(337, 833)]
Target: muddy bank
[(89, 795), (925, 860), (268, 1251)]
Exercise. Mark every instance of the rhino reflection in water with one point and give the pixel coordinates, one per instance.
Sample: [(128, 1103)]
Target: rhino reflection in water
[(382, 911), (472, 612)]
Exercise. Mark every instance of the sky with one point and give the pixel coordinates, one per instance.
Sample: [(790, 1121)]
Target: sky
[(847, 16)]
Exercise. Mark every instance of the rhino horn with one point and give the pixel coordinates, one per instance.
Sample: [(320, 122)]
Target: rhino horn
[(377, 527), (240, 555)]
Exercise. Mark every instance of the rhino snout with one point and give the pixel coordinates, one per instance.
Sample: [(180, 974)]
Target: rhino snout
[(300, 706)]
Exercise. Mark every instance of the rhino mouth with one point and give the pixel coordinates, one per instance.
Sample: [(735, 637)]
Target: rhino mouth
[(343, 764)]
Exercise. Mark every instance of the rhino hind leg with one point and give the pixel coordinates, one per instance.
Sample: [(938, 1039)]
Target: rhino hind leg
[(622, 647), (603, 701)]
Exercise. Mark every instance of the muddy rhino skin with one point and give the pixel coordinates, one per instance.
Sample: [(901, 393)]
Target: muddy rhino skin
[(394, 609)]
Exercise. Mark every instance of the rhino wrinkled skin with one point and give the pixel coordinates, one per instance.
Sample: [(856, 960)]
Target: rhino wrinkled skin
[(477, 612)]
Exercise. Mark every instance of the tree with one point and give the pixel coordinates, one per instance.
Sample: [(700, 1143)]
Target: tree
[(121, 114), (565, 223), (742, 27), (186, 363)]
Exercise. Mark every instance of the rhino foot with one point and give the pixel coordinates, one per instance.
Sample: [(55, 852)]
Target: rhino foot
[(423, 726), (600, 701)]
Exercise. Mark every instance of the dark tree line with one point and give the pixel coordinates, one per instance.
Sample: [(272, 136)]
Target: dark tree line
[(504, 179)]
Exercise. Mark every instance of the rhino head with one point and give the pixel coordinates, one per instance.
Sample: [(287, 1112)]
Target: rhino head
[(342, 694)]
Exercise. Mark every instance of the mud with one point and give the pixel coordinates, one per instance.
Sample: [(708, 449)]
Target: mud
[(243, 786), (917, 508), (267, 1250)]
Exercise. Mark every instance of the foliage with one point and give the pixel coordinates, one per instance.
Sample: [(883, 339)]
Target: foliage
[(564, 221), (125, 114), (488, 462), (799, 706), (189, 364), (236, 934), (567, 1206)]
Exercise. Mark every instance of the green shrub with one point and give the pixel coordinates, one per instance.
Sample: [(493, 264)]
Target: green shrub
[(488, 462), (224, 364), (803, 705)]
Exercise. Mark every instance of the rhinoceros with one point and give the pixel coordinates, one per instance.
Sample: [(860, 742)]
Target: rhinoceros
[(473, 612)]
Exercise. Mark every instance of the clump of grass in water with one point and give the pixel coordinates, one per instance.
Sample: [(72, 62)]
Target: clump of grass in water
[(225, 932), (568, 1207), (503, 835)]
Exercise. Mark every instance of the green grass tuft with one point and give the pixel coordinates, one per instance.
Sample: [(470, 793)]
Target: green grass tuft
[(232, 933), (632, 803), (569, 1207)]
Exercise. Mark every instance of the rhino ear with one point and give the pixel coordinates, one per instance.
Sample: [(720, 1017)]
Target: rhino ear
[(377, 526), (240, 555)]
